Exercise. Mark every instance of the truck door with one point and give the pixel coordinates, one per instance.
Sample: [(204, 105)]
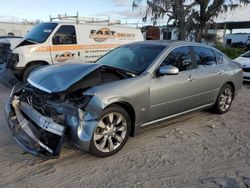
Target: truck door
[(64, 45)]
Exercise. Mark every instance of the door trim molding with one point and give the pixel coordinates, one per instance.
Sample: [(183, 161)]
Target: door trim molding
[(175, 115)]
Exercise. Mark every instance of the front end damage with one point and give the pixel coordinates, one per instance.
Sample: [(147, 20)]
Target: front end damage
[(41, 121)]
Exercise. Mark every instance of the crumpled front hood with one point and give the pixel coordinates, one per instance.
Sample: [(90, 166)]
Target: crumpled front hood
[(58, 78)]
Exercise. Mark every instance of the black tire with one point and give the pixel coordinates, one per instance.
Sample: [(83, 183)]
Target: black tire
[(217, 108), (112, 109), (28, 71)]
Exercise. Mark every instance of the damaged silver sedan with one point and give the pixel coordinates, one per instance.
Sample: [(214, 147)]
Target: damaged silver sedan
[(96, 107)]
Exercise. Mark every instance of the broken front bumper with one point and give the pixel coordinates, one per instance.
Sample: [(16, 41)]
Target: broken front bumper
[(36, 134)]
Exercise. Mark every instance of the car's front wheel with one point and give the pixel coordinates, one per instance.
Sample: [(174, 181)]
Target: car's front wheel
[(224, 99), (111, 133)]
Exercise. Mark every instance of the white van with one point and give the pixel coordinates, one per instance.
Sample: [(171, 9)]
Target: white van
[(57, 42)]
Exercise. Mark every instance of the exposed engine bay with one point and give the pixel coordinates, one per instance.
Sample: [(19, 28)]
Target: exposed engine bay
[(41, 121)]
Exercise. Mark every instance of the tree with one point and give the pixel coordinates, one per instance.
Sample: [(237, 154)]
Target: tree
[(175, 11), (188, 15), (207, 10)]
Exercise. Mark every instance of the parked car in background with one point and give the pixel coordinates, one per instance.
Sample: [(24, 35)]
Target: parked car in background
[(61, 41), (244, 60), (12, 40), (98, 106)]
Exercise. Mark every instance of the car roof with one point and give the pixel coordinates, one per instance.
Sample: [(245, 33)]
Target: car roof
[(170, 43)]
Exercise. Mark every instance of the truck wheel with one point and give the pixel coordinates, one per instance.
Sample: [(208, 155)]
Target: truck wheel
[(111, 133), (28, 71)]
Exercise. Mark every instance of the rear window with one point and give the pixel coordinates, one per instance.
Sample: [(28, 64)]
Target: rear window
[(204, 56)]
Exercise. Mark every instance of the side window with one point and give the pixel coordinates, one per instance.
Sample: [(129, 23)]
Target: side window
[(66, 34), (180, 58), (204, 56), (219, 57)]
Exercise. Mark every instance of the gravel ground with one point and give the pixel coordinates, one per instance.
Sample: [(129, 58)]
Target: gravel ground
[(177, 153)]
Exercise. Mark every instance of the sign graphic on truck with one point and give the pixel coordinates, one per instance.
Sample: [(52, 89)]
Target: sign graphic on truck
[(105, 33), (64, 57)]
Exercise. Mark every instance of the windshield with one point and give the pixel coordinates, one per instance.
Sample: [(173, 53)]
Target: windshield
[(135, 58), (247, 55), (40, 32)]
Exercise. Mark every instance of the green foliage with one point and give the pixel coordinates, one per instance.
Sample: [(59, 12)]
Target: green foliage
[(231, 52)]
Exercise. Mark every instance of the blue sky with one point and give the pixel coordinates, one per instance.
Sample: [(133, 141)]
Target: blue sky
[(41, 9), (119, 9)]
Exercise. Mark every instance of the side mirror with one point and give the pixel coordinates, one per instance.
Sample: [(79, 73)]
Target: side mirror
[(168, 70)]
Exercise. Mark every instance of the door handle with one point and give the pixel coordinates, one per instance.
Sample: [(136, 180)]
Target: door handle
[(190, 78)]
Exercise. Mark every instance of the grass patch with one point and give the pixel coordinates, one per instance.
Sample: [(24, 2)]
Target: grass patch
[(231, 52)]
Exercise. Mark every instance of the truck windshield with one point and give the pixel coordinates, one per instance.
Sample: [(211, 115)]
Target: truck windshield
[(135, 58), (40, 32)]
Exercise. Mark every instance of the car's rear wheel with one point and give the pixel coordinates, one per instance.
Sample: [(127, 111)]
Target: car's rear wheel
[(224, 99), (111, 133)]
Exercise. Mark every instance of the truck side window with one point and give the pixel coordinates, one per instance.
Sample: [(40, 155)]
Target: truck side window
[(180, 58), (204, 56), (66, 34)]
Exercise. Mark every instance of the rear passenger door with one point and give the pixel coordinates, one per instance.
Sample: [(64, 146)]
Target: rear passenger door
[(208, 74)]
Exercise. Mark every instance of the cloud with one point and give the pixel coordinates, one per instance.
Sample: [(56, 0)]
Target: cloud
[(119, 3)]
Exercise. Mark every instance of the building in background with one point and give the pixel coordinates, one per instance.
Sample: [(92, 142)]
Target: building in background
[(214, 33), (17, 29)]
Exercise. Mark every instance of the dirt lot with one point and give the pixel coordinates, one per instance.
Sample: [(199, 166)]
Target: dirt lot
[(174, 154)]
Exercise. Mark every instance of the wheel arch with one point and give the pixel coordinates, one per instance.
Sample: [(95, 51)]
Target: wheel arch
[(130, 110), (232, 85), (32, 63)]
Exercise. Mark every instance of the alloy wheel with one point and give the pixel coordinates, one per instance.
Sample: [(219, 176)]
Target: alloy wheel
[(110, 132), (226, 99)]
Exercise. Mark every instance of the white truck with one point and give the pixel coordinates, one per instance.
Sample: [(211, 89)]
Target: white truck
[(64, 41)]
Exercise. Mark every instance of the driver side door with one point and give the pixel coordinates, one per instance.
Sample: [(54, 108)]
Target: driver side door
[(172, 94), (64, 45)]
